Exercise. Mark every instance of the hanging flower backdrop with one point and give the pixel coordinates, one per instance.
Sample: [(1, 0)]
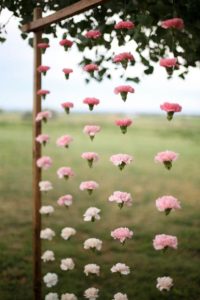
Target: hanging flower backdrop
[(120, 234)]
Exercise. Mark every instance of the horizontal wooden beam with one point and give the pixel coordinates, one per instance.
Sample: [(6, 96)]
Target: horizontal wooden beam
[(62, 14)]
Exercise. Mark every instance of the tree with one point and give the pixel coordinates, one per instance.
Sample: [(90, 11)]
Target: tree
[(153, 42)]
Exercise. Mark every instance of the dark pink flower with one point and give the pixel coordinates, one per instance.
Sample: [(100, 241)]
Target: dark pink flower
[(43, 93), (123, 58), (43, 116), (42, 139), (66, 44), (89, 186), (93, 34), (124, 25), (123, 90), (44, 162), (91, 130), (90, 68), (64, 141), (170, 108), (121, 234), (166, 157), (123, 124), (173, 23), (90, 157), (43, 69), (65, 172), (67, 106), (91, 102), (167, 203), (43, 46), (67, 72), (168, 62)]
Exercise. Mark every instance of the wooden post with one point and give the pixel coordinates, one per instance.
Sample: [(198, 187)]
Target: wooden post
[(37, 291)]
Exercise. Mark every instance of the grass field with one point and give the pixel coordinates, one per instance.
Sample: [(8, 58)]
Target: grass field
[(144, 179)]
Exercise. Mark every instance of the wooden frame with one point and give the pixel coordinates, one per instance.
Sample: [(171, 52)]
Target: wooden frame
[(36, 26)]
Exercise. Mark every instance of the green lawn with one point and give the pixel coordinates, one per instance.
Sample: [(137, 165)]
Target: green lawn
[(144, 179)]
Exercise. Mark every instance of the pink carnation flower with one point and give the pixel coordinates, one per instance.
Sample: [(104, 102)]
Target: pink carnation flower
[(91, 68), (43, 116), (43, 46), (123, 90), (65, 200), (64, 141), (123, 124), (43, 93), (44, 162), (67, 72), (93, 34), (67, 106), (89, 186), (166, 157), (91, 130), (91, 102), (90, 157), (168, 62), (43, 69), (123, 58), (42, 139), (164, 241), (170, 108), (66, 44), (65, 172), (167, 203), (121, 198), (173, 23), (124, 25), (121, 160), (121, 234)]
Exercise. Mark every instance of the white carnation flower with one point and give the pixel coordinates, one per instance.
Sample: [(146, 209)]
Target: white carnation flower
[(121, 268), (91, 269), (52, 296), (67, 232), (120, 296), (67, 264), (93, 243), (48, 256), (68, 296), (164, 283), (45, 186), (50, 279), (47, 234), (91, 293), (92, 214), (46, 210)]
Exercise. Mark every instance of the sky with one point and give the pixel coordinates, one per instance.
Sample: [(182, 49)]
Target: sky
[(16, 76)]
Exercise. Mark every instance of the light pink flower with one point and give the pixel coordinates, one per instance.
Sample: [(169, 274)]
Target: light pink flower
[(164, 283), (67, 106), (123, 90), (64, 141), (65, 172), (124, 25), (164, 241), (166, 157), (43, 93), (123, 58), (91, 102), (89, 186), (93, 34), (67, 72), (91, 130), (42, 139), (65, 200), (121, 234), (43, 46), (173, 23), (121, 198), (170, 108), (66, 44), (90, 68), (43, 69), (123, 124), (44, 162), (168, 62), (43, 116), (167, 203), (90, 157), (121, 160)]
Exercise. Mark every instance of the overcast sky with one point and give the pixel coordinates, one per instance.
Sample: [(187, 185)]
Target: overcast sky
[(16, 81)]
